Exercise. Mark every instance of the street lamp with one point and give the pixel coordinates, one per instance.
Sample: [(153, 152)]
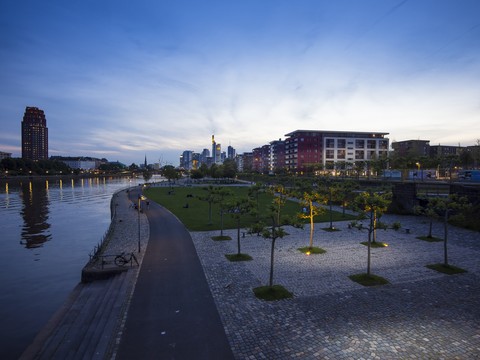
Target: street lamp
[(138, 211), (419, 171)]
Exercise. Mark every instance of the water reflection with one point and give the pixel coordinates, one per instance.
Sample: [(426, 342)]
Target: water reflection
[(35, 213)]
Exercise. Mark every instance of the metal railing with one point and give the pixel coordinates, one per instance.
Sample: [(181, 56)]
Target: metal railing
[(95, 253)]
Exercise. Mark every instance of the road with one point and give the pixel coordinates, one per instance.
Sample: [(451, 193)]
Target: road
[(172, 314)]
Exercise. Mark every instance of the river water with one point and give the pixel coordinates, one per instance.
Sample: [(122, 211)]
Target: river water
[(47, 230)]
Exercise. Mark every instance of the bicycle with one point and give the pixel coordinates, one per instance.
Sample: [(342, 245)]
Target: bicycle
[(123, 259)]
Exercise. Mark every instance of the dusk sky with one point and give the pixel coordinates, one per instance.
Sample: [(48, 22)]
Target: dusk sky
[(124, 79)]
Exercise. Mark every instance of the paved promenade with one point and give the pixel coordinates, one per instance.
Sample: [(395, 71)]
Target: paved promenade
[(421, 314)]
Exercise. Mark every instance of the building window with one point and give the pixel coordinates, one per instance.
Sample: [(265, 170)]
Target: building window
[(371, 144), (329, 154), (360, 144), (330, 143), (359, 154), (341, 154), (341, 143)]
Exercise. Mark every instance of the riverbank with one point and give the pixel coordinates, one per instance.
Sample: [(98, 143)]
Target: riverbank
[(91, 319), (420, 314)]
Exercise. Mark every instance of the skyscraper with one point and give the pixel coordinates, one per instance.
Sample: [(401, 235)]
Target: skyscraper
[(34, 134)]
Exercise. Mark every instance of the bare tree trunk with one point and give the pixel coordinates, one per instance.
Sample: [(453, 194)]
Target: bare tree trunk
[(445, 224), (209, 213), (221, 222), (272, 256), (238, 235), (311, 225), (370, 230)]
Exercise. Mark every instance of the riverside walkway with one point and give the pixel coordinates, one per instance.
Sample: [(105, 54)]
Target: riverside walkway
[(421, 314)]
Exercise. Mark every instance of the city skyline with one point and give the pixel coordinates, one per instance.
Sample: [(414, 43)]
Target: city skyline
[(122, 80)]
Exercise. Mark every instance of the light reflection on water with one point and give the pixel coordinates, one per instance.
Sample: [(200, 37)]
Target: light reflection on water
[(47, 229)]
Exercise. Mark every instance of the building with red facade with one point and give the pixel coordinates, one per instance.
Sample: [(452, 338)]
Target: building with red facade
[(307, 149)]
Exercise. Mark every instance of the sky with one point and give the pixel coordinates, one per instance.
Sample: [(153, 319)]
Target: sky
[(128, 79)]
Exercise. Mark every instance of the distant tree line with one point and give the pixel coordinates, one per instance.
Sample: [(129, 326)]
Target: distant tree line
[(19, 166)]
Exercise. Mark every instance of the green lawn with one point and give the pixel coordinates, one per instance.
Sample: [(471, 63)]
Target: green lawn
[(196, 215)]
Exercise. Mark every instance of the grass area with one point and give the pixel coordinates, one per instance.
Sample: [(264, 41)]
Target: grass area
[(238, 257), (446, 269), (429, 238), (375, 244), (271, 293), (312, 250), (196, 216), (368, 280), (221, 238)]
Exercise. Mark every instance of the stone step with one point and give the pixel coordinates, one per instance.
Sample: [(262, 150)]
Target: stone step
[(83, 330)]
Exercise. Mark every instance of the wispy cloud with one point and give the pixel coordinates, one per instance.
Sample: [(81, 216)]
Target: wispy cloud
[(161, 81)]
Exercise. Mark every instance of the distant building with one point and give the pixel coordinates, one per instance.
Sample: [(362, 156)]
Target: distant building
[(413, 148), (231, 153), (261, 159), (5, 155), (204, 157), (218, 154), (34, 135), (277, 155), (305, 149), (438, 151), (186, 160), (244, 161), (214, 149), (80, 162)]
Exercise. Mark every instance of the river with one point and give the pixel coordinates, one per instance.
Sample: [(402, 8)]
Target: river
[(47, 230)]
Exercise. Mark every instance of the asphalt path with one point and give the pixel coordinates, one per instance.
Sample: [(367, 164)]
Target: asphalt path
[(172, 314)]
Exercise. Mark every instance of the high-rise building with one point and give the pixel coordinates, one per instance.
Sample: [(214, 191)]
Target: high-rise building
[(34, 134), (214, 149), (231, 153)]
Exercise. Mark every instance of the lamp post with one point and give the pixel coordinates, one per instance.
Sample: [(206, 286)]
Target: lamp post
[(138, 211), (420, 172)]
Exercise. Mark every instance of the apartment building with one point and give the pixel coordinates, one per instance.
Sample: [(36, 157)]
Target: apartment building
[(305, 149), (414, 148)]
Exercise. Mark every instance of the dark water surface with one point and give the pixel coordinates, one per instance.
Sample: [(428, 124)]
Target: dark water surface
[(47, 230)]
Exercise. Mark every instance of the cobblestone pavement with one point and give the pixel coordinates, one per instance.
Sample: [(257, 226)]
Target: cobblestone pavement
[(421, 314)]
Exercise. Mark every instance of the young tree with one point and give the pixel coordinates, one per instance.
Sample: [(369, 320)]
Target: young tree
[(220, 196), (239, 208), (346, 192), (312, 202), (209, 197), (275, 230), (254, 193), (429, 211), (372, 205), (333, 192), (442, 208)]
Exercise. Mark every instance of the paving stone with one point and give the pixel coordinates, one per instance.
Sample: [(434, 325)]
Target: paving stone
[(420, 314)]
